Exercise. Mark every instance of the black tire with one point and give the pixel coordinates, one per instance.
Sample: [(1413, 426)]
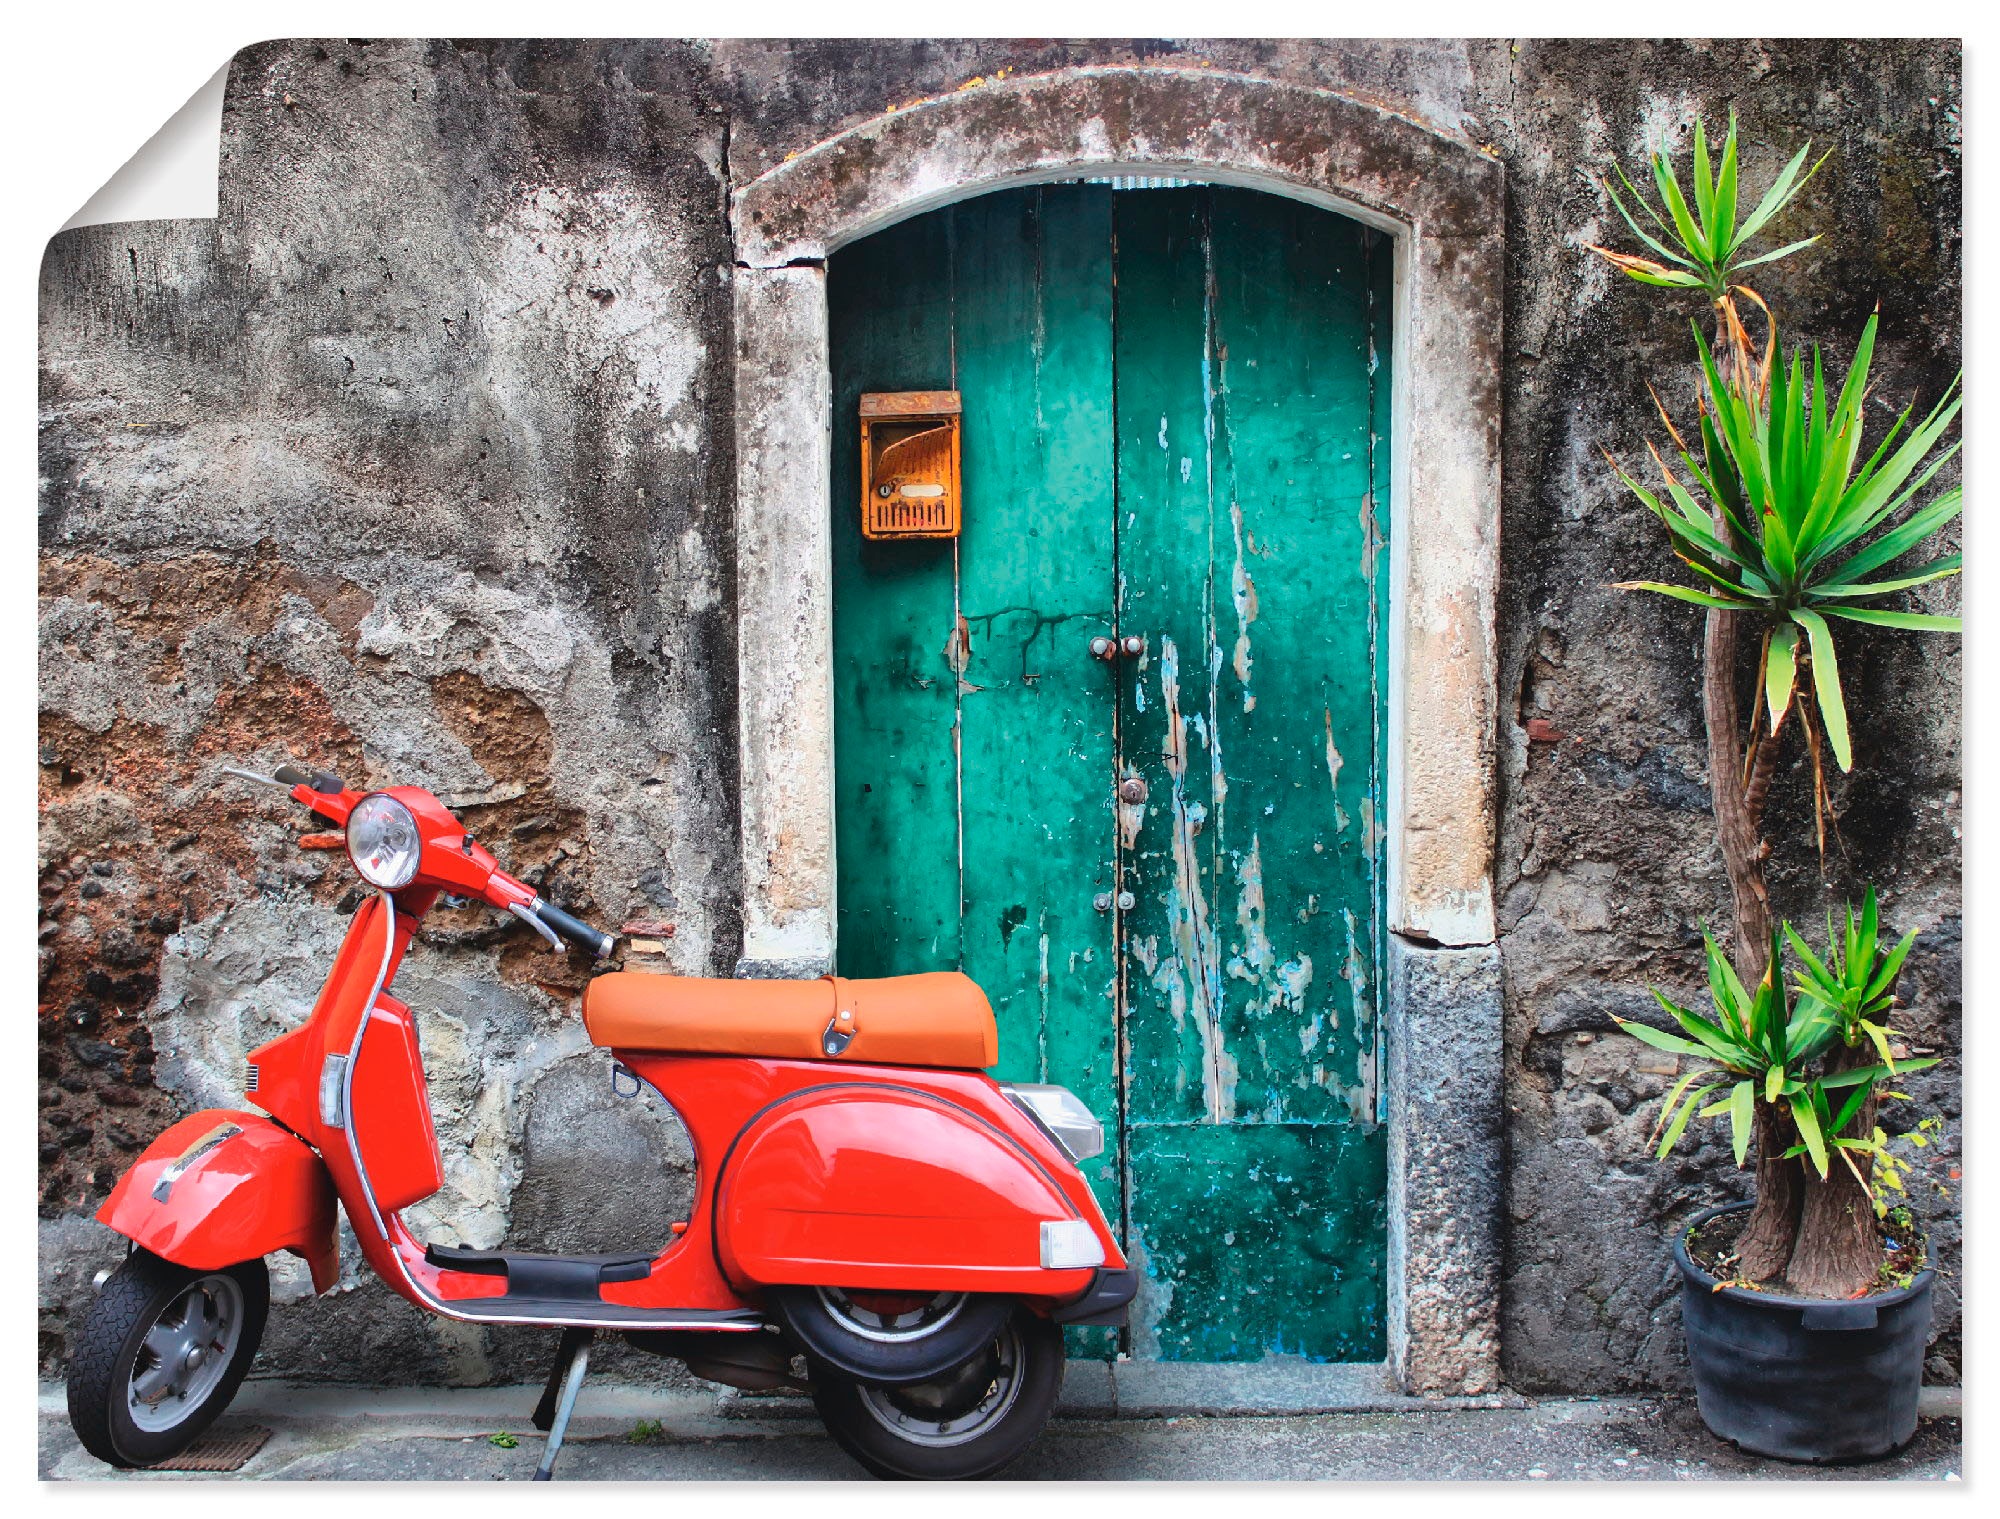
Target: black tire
[(869, 1347), (892, 1431), (111, 1348)]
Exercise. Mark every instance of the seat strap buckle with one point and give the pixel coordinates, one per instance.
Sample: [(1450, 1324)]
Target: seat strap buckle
[(840, 1031)]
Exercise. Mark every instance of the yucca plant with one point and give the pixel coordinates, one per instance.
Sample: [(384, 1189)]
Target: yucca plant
[(1757, 1047), (1789, 530), (1855, 986), (1704, 244), (1756, 1044), (1856, 982), (1794, 532), (1706, 247), (1760, 1049)]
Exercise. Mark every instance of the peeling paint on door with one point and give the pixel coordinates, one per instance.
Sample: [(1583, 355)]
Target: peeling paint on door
[(1172, 399)]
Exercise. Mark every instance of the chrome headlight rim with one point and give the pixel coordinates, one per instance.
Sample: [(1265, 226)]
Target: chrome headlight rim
[(381, 811)]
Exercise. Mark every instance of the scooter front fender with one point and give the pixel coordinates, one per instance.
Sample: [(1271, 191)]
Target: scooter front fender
[(221, 1187)]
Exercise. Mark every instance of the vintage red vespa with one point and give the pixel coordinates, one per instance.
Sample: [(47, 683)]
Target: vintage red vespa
[(866, 1197)]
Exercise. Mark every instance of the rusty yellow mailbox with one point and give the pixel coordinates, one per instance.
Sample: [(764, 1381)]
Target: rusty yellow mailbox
[(909, 464)]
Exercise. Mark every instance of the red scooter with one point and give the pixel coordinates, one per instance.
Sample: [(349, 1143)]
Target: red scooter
[(866, 1197)]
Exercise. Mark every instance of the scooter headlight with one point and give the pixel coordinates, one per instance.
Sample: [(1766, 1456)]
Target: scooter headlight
[(382, 841), (1062, 1113)]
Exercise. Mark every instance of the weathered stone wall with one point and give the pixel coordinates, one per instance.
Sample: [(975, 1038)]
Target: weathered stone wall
[(416, 463), (410, 466)]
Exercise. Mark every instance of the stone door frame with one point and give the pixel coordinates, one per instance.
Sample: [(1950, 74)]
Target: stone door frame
[(1441, 200)]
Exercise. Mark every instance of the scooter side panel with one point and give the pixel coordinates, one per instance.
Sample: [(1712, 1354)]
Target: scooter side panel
[(888, 1187), (391, 1120), (223, 1186)]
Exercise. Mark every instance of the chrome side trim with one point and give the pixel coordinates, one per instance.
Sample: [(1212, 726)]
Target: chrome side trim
[(727, 1326), (183, 1162), (354, 1053)]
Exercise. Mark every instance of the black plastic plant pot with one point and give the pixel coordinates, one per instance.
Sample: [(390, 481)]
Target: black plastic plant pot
[(1804, 1379)]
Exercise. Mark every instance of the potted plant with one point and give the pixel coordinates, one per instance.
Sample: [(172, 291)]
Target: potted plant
[(1790, 529)]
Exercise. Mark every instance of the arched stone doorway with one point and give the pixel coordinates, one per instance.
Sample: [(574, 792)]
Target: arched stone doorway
[(1440, 199)]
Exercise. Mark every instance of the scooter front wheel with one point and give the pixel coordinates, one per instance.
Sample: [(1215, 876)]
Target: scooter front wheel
[(160, 1353), (968, 1423)]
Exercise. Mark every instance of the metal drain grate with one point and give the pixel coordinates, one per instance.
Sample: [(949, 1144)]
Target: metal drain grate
[(219, 1450)]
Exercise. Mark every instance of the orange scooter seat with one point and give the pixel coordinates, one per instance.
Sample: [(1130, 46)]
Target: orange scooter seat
[(938, 1019)]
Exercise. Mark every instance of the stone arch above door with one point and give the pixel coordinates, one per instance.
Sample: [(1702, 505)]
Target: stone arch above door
[(1441, 200)]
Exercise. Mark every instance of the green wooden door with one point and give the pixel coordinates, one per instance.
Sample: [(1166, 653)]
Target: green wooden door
[(1175, 427)]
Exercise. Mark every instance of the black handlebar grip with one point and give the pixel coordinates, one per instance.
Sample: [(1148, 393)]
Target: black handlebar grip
[(323, 781), (598, 943)]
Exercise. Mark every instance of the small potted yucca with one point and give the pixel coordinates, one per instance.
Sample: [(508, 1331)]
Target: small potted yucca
[(1792, 523)]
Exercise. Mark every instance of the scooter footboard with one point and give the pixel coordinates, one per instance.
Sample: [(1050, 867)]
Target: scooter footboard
[(896, 1189), (221, 1187)]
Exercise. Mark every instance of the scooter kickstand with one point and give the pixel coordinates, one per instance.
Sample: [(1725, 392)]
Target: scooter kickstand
[(559, 1396)]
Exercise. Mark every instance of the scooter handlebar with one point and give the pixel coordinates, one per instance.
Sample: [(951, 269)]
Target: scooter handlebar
[(551, 921), (323, 781), (598, 943)]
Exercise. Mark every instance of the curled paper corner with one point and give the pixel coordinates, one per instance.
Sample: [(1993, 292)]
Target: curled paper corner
[(173, 176)]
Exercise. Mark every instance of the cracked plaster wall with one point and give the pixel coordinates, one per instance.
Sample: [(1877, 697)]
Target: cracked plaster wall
[(417, 462)]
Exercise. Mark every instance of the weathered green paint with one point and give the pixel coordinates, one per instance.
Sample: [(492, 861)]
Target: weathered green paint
[(1262, 1239), (1175, 427), (1251, 335), (896, 775)]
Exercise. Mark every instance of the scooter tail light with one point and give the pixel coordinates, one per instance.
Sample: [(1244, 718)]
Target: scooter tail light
[(1068, 1243)]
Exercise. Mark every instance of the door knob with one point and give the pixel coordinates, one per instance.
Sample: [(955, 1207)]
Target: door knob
[(1102, 901), (1131, 645), (1132, 789)]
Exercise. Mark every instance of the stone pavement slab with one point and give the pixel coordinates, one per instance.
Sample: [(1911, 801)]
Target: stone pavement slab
[(634, 1434)]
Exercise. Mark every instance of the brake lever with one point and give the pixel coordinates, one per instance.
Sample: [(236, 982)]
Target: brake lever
[(537, 925), (251, 775)]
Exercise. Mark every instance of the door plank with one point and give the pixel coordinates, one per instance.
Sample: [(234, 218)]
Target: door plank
[(894, 617), (1176, 1066), (1035, 584), (1296, 563), (1258, 1209)]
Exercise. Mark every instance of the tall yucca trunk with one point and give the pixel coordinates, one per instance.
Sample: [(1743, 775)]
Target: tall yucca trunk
[(1767, 1241), (1768, 1238)]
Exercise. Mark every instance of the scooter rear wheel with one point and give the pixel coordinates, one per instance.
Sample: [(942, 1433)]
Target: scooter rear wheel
[(160, 1353), (891, 1338), (966, 1424)]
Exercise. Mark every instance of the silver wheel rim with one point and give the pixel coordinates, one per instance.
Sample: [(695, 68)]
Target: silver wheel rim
[(185, 1354), (891, 1328), (993, 1405)]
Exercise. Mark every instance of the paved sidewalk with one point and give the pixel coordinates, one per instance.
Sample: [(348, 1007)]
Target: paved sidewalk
[(321, 1433)]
